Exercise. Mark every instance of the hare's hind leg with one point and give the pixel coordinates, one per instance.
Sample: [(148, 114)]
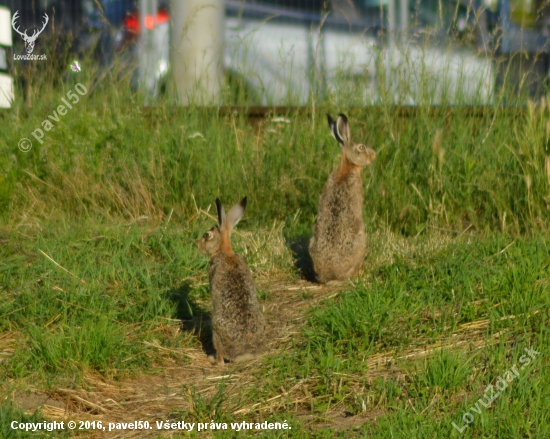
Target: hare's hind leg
[(219, 350)]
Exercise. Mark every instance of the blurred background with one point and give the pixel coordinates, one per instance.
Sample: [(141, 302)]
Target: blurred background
[(285, 52)]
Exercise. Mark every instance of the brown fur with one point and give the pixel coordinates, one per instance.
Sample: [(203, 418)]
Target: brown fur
[(338, 244), (238, 324)]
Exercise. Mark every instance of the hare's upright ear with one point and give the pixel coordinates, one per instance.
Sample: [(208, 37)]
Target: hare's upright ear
[(342, 127), (221, 212), (235, 214), (333, 129), (339, 129)]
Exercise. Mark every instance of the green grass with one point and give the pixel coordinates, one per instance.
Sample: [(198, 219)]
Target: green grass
[(106, 159), (409, 304), (438, 294), (93, 312), (98, 263)]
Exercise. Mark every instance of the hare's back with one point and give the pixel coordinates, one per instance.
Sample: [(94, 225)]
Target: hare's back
[(232, 289), (341, 207)]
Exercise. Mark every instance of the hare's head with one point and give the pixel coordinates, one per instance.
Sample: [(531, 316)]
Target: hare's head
[(357, 153), (218, 238)]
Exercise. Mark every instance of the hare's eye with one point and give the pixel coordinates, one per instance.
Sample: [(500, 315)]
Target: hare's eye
[(361, 148), (208, 235)]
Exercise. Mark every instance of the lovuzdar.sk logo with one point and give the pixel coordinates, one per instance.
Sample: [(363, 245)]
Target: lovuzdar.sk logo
[(29, 40)]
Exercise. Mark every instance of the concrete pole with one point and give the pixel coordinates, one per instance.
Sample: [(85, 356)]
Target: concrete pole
[(390, 50), (404, 20), (391, 22), (198, 31), (504, 23)]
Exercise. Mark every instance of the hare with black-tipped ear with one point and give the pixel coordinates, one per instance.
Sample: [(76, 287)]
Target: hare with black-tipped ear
[(338, 244), (238, 324)]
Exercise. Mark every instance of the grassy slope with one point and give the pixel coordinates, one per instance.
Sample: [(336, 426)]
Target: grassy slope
[(97, 260)]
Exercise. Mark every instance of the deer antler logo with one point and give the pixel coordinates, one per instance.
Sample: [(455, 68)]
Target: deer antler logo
[(29, 41)]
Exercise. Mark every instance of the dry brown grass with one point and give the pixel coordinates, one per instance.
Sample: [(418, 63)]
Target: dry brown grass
[(8, 343)]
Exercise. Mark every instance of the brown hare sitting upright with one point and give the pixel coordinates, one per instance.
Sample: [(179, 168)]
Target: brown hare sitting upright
[(237, 322), (338, 244)]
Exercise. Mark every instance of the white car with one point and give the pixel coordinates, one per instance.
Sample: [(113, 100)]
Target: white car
[(288, 57)]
